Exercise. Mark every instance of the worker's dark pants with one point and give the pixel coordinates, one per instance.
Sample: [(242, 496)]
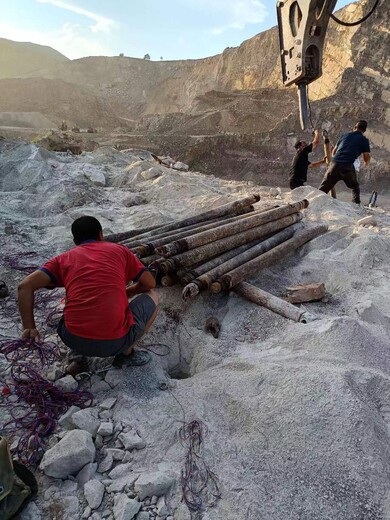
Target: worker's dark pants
[(341, 172), (295, 183)]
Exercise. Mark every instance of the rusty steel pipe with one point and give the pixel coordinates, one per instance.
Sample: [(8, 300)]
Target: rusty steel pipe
[(136, 242), (204, 281), (248, 270), (151, 247), (187, 275), (273, 303), (214, 249), (119, 237), (218, 212), (212, 235)]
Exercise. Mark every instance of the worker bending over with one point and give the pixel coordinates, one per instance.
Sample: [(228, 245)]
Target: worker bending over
[(298, 171), (348, 148), (98, 320)]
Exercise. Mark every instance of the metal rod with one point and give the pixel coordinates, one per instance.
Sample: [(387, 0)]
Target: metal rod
[(214, 249), (212, 235), (248, 270), (204, 281), (149, 248), (273, 303), (220, 211), (135, 242)]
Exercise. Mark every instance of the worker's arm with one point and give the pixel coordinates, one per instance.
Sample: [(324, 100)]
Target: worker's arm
[(316, 139), (26, 290), (144, 284), (334, 150), (366, 158), (317, 163)]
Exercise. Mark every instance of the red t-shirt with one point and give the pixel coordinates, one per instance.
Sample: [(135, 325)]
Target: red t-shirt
[(94, 275)]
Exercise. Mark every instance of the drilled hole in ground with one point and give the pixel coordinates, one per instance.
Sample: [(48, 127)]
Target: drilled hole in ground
[(178, 374)]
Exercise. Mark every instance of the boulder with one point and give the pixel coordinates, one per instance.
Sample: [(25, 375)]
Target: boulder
[(94, 175), (87, 420), (66, 420), (68, 456), (154, 483), (132, 441), (125, 508), (106, 429), (107, 404), (119, 484), (100, 386), (181, 166), (86, 473), (121, 471), (370, 220), (116, 453), (106, 463), (152, 173), (31, 512), (67, 384), (94, 491), (114, 377)]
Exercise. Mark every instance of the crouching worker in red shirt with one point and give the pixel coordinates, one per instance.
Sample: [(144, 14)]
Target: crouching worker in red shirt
[(98, 319)]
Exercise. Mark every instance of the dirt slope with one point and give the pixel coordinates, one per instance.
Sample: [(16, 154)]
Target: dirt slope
[(20, 59)]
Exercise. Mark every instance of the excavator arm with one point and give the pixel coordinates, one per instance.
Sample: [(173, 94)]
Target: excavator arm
[(302, 28)]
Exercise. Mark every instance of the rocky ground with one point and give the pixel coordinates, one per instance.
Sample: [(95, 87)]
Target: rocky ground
[(297, 415)]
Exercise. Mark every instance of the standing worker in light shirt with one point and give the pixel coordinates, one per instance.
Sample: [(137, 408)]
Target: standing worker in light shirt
[(348, 148), (98, 320)]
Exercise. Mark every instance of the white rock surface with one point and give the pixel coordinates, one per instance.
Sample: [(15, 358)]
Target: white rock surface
[(94, 491), (95, 176), (105, 429), (293, 411), (162, 510), (108, 403), (116, 453), (143, 515), (154, 483), (114, 377), (66, 420), (87, 419), (121, 470), (68, 456), (106, 463), (31, 512), (132, 441), (181, 166), (67, 384), (100, 386), (120, 483), (125, 508), (86, 473)]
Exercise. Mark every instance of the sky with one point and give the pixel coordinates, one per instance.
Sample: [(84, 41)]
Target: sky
[(168, 29)]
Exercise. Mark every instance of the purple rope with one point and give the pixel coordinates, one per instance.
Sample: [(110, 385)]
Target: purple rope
[(200, 486), (39, 402)]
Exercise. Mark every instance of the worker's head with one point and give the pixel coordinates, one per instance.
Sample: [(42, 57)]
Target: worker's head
[(299, 145), (86, 228), (361, 126)]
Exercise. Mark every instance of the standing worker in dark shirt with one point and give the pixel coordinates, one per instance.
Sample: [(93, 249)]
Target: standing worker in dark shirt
[(346, 151), (298, 170)]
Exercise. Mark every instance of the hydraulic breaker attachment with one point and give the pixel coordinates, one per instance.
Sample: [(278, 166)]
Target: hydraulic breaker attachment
[(302, 28)]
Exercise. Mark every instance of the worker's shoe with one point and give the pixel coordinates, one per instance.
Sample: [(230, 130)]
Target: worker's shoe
[(77, 367), (136, 359)]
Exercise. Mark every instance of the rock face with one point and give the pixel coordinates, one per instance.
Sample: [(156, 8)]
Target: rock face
[(228, 114), (68, 456)]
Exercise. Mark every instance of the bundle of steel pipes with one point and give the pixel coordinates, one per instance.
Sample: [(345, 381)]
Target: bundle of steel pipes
[(222, 247)]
